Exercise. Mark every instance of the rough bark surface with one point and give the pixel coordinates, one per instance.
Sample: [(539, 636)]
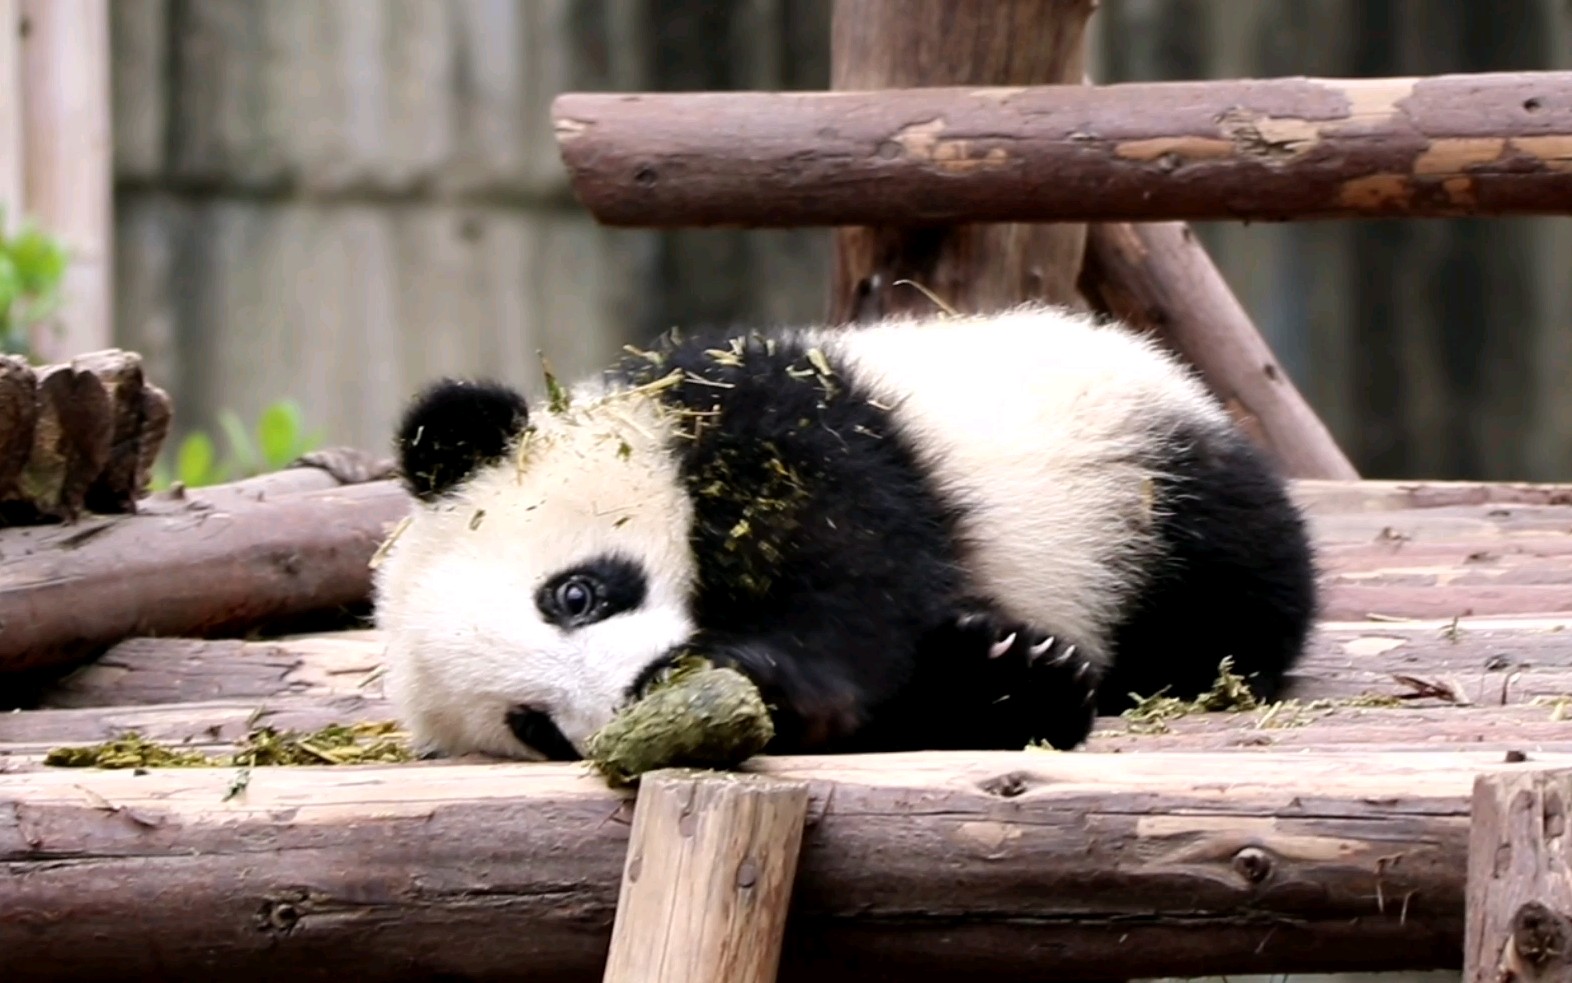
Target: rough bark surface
[(1255, 149), (1157, 277), (1519, 905), (188, 567), (895, 44), (1013, 867)]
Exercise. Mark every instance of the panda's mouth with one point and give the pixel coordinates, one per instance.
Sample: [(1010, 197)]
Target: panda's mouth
[(537, 730)]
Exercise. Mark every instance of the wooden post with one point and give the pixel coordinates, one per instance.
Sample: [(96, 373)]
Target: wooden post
[(708, 879), (1155, 276), (880, 44), (68, 174), (1519, 900), (12, 148)]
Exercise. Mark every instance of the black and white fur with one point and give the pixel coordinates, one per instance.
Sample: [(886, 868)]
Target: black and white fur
[(967, 532)]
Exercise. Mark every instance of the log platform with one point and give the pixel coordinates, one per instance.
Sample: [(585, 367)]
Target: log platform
[(1329, 832)]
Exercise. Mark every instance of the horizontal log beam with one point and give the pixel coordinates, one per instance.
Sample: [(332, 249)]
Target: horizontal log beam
[(192, 566), (1273, 149), (1010, 867)]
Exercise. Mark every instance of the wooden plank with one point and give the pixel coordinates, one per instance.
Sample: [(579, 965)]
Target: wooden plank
[(708, 878), (1012, 867), (1519, 880)]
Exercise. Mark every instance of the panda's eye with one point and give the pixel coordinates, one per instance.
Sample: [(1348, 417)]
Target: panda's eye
[(590, 592), (576, 597)]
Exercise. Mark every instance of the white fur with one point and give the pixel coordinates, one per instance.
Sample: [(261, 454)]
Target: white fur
[(457, 603), (1034, 416)]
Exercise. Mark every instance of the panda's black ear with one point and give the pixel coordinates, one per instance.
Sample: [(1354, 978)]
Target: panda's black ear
[(453, 427)]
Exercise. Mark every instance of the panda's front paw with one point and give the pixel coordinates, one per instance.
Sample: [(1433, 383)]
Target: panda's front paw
[(1039, 678)]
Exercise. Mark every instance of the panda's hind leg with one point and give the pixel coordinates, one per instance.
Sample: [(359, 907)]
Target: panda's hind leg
[(1005, 684)]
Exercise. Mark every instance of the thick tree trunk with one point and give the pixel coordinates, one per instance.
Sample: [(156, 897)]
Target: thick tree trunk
[(891, 44), (1009, 867), (977, 150)]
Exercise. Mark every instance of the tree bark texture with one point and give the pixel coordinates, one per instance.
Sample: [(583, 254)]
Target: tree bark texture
[(990, 150), (1012, 867), (898, 44), (1157, 277), (1519, 904), (188, 567)]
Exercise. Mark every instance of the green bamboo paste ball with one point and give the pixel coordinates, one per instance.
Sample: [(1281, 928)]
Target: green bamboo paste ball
[(697, 716)]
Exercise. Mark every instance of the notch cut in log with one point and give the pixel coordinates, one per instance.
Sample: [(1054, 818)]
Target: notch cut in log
[(893, 44), (1009, 867), (1519, 908), (708, 879), (956, 153)]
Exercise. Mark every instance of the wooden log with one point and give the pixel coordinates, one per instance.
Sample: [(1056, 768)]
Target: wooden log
[(200, 723), (1256, 150), (1519, 902), (68, 176), (143, 671), (68, 593), (1158, 278), (1367, 495), (1009, 867), (890, 44), (708, 879)]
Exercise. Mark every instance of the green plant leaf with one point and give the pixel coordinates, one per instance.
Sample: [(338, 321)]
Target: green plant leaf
[(40, 261), (244, 452), (278, 433), (10, 287), (196, 462)]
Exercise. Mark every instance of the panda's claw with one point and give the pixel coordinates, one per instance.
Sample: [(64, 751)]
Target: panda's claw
[(1002, 646), (1041, 648)]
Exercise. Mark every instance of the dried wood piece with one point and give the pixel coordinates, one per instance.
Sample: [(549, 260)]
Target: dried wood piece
[(1008, 867), (1251, 149), (18, 417), (81, 436), (71, 443), (708, 879), (121, 480), (1158, 278), (1519, 909), (69, 592), (897, 44)]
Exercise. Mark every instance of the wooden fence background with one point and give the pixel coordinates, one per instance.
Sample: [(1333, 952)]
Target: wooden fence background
[(331, 200)]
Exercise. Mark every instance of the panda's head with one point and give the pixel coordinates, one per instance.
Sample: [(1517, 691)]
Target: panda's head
[(544, 575)]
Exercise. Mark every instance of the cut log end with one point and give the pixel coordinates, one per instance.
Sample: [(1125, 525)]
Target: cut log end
[(77, 437)]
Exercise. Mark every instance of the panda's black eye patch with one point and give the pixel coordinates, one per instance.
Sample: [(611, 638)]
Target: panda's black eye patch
[(591, 592)]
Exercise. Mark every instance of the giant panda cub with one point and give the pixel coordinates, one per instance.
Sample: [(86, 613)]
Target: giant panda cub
[(947, 533)]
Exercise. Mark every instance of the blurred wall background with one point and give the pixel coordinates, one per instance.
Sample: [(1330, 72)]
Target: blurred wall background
[(331, 200)]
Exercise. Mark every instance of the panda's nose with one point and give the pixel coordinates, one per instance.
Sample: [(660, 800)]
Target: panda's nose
[(536, 729)]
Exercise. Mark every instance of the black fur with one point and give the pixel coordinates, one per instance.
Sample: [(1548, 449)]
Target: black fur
[(829, 570), (453, 427), (1238, 580)]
